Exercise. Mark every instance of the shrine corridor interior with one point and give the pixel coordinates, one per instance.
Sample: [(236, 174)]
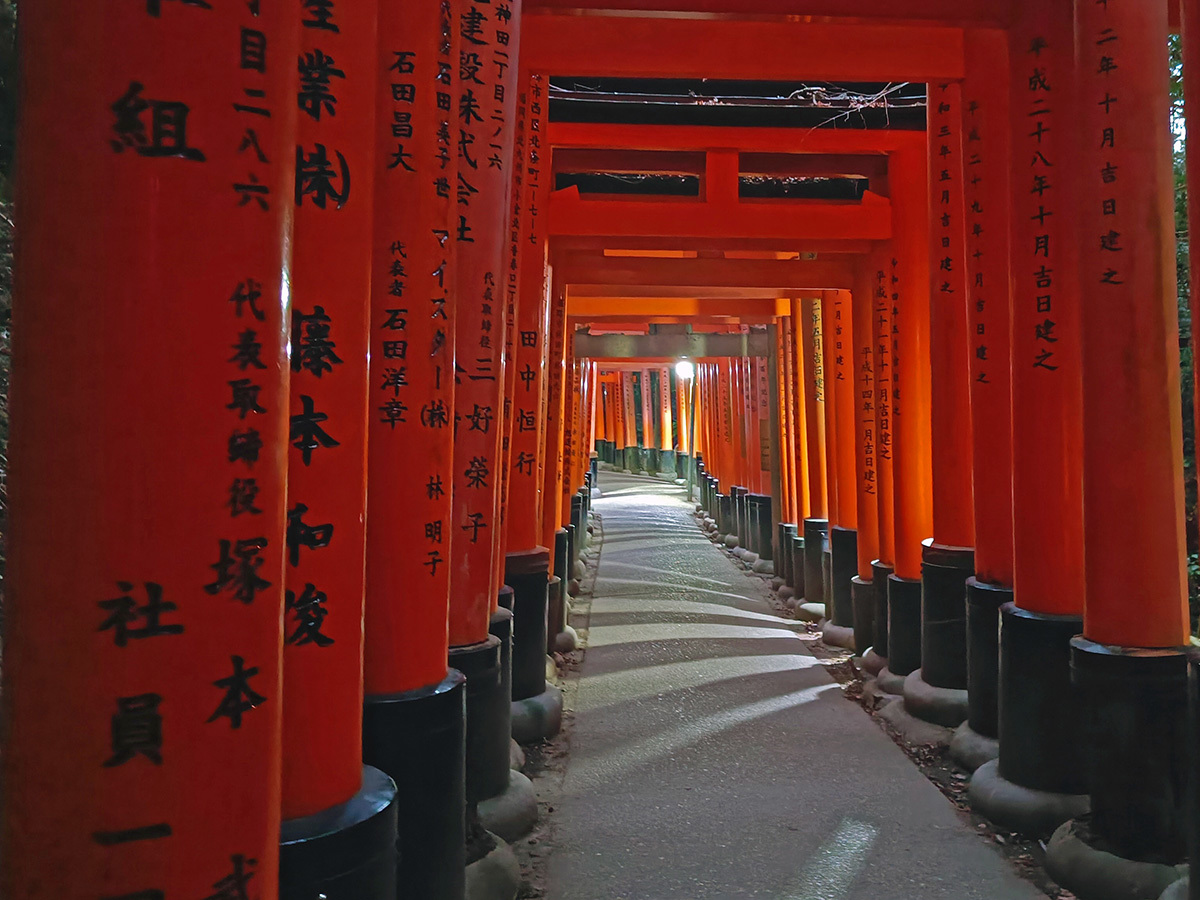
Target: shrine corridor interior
[(567, 449)]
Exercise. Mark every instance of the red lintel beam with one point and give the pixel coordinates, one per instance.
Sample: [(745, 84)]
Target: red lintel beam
[(958, 12), (630, 309), (637, 47), (751, 141), (590, 269), (627, 243), (798, 220)]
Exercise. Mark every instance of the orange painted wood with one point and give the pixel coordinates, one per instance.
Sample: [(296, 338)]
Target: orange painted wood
[(828, 376), (481, 196), (801, 363), (144, 589), (327, 460), (1132, 447), (556, 376), (985, 118), (1047, 386), (950, 411), (937, 11), (841, 339), (820, 495), (861, 356), (412, 368), (635, 47), (910, 350), (883, 299)]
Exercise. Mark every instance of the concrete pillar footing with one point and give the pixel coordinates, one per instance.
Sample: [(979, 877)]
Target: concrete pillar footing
[(1094, 874), (941, 706), (837, 635), (970, 749), (890, 683), (1177, 891), (538, 717), (567, 640), (1024, 810), (810, 612), (495, 876), (764, 566), (512, 813), (873, 663), (516, 756)]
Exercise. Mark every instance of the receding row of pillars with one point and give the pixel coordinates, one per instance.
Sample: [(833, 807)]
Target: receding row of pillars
[(981, 482), (300, 450)]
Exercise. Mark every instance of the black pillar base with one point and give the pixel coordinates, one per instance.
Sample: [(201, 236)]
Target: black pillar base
[(741, 527), (667, 464), (880, 573), (347, 852), (1135, 735), (798, 566), (827, 575), (419, 739), (904, 625), (843, 547), (983, 654), (764, 540), (862, 598), (1039, 779), (527, 572), (633, 460), (787, 535), (572, 549), (489, 713), (725, 514), (944, 574), (814, 577)]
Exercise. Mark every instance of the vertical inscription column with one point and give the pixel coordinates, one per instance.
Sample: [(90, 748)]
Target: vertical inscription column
[(866, 442), (843, 532), (947, 558), (884, 382), (1128, 665), (985, 116), (413, 716), (1038, 714), (816, 526), (143, 609)]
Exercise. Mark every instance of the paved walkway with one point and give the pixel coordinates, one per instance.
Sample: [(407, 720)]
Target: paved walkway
[(712, 756)]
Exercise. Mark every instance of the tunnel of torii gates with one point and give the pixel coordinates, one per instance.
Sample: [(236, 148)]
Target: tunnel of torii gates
[(306, 397)]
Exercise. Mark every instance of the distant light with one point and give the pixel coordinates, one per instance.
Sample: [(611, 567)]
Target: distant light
[(685, 370)]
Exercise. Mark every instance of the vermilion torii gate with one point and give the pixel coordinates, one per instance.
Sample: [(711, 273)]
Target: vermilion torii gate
[(302, 421)]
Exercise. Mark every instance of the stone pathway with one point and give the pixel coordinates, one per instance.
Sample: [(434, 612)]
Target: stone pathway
[(713, 757)]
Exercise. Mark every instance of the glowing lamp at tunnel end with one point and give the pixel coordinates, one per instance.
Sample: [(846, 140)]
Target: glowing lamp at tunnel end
[(685, 370)]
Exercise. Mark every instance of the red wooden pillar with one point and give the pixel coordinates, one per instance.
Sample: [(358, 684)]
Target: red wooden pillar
[(843, 528), (1038, 712), (909, 284), (1128, 665), (527, 560), (939, 692), (882, 306), (484, 123), (327, 476), (822, 492), (555, 384), (666, 439), (143, 609), (647, 442), (801, 366), (861, 358), (985, 117), (413, 717)]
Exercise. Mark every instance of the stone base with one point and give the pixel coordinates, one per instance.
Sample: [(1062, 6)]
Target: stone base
[(346, 851), (1024, 810), (970, 749), (810, 612), (1093, 874), (786, 593), (914, 730), (497, 876), (941, 706), (511, 814), (1177, 891), (731, 541), (567, 640), (516, 756), (837, 635), (890, 683), (538, 717), (764, 567), (873, 663)]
